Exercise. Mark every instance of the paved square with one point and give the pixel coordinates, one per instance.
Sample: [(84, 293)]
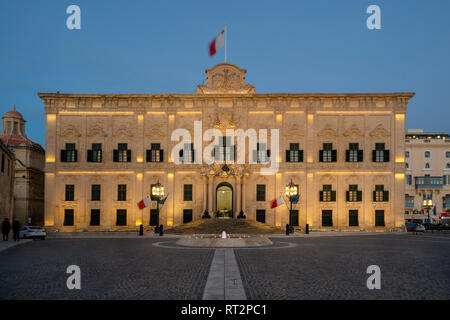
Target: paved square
[(331, 267)]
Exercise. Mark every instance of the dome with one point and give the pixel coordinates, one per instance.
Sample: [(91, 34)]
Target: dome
[(13, 114)]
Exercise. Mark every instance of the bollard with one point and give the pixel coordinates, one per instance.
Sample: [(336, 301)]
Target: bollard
[(287, 229), (291, 229), (141, 230), (307, 229), (161, 231)]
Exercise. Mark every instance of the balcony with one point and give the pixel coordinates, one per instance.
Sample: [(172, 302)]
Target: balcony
[(409, 203), (427, 183)]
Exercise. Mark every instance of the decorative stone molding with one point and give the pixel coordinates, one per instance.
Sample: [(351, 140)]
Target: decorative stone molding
[(379, 132), (225, 78), (294, 131), (97, 129), (224, 119), (327, 132), (70, 130), (353, 131)]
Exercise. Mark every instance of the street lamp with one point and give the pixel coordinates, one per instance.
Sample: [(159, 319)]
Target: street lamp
[(158, 192), (427, 205), (291, 193)]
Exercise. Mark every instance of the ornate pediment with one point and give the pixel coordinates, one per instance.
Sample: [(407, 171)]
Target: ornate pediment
[(328, 132), (97, 129), (225, 78), (353, 131), (294, 131), (155, 133), (124, 130), (225, 120), (70, 131), (379, 131)]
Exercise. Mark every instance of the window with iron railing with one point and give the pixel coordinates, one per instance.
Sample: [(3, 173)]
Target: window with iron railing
[(69, 154), (294, 154), (327, 154)]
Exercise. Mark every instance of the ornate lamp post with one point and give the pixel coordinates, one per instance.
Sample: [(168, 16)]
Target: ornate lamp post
[(158, 192), (427, 205), (291, 193)]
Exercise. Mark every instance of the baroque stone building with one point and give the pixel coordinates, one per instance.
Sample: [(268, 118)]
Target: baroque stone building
[(427, 164), (29, 170), (345, 152), (7, 182)]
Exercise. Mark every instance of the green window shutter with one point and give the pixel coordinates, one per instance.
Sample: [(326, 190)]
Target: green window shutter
[(333, 196), (300, 155), (386, 156), (148, 155), (374, 196), (374, 155), (360, 155), (161, 155), (89, 156), (75, 156), (359, 196), (321, 196), (320, 155), (333, 155), (128, 155), (63, 156), (347, 155), (347, 194), (386, 195), (287, 156), (116, 156)]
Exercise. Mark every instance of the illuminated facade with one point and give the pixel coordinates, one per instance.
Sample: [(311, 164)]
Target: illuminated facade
[(427, 164), (344, 151)]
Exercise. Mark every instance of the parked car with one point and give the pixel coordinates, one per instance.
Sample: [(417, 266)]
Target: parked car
[(420, 228), (32, 232)]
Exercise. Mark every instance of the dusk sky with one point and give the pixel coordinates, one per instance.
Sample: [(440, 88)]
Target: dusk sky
[(286, 46)]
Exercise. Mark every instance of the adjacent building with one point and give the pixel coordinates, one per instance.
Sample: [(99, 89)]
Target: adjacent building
[(29, 170), (427, 157), (6, 182), (344, 153)]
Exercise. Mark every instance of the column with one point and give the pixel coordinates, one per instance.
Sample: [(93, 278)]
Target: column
[(210, 195), (243, 204), (238, 195), (205, 194)]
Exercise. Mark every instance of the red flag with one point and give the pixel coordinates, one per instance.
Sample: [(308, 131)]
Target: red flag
[(217, 43), (276, 202), (144, 203)]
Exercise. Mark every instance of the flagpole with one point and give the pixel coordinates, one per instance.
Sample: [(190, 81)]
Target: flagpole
[(226, 36)]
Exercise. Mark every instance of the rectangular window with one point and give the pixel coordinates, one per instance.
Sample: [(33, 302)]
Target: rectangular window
[(380, 195), (187, 215), (261, 192), (261, 154), (187, 192), (154, 217), (380, 154), (261, 216), (187, 154), (225, 150), (327, 154), (155, 154), (95, 154), (122, 192), (379, 218), (95, 217), (294, 154), (69, 154), (121, 219), (353, 218), (327, 194), (353, 194), (68, 217), (294, 218), (95, 192), (122, 154), (70, 192), (327, 218), (353, 154)]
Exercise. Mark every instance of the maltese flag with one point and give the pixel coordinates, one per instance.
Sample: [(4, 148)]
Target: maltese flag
[(217, 43), (276, 202), (144, 203)]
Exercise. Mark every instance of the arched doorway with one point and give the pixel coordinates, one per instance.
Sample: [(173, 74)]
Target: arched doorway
[(224, 200)]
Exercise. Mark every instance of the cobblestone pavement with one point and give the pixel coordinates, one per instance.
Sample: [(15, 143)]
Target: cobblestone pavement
[(110, 269), (412, 267)]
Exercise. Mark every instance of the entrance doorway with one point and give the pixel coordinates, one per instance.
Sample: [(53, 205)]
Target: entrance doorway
[(224, 200)]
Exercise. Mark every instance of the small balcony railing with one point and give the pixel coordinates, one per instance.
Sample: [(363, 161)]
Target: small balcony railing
[(429, 182)]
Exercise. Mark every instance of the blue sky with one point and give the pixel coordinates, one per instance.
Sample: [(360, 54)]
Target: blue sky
[(286, 46)]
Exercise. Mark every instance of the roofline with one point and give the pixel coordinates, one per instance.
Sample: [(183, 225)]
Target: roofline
[(253, 95)]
